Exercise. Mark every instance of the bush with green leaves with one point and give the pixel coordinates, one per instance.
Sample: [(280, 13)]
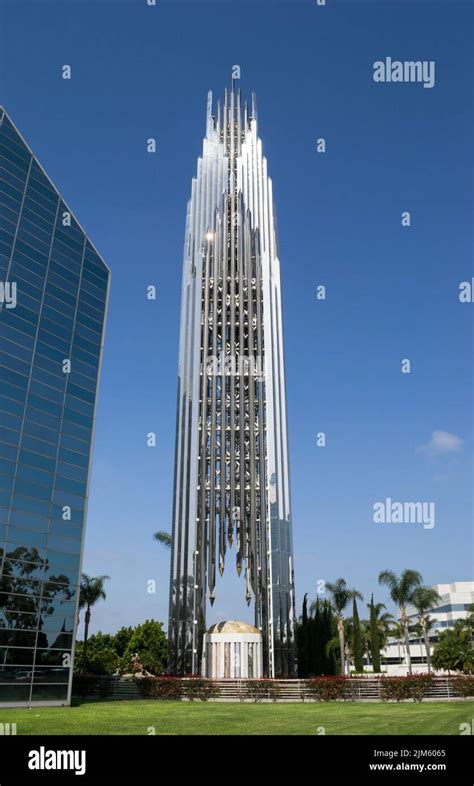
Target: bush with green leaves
[(103, 662), (260, 689), (107, 652), (462, 685), (327, 688), (160, 687), (121, 639), (199, 688), (102, 657), (413, 686), (454, 650), (149, 642)]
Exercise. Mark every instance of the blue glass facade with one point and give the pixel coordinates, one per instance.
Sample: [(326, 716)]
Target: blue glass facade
[(53, 300)]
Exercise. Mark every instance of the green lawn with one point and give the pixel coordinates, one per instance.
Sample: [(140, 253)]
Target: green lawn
[(168, 717)]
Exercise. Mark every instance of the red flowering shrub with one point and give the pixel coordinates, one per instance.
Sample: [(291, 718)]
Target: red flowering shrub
[(327, 688), (462, 685), (160, 687), (261, 689), (199, 688), (413, 686), (176, 688)]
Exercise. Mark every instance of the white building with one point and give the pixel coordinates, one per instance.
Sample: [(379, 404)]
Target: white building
[(232, 650), (456, 599)]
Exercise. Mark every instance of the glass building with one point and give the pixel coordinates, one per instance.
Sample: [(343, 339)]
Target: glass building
[(231, 487), (53, 299)]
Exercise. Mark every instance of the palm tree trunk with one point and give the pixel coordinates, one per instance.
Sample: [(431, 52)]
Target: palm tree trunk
[(87, 619), (407, 643), (399, 654), (427, 647), (342, 645)]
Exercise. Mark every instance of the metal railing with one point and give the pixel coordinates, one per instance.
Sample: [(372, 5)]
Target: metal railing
[(356, 689)]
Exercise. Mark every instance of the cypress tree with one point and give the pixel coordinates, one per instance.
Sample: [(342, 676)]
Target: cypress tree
[(358, 651), (303, 641), (374, 638)]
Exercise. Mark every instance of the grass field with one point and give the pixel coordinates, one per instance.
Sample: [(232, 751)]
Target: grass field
[(168, 717)]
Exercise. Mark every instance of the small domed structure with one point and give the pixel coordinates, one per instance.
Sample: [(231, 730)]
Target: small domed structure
[(233, 626), (232, 650)]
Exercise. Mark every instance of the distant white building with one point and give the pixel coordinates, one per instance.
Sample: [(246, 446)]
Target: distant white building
[(232, 650), (456, 599)]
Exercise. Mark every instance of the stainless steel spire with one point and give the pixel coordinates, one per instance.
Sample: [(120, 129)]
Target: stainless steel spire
[(231, 471)]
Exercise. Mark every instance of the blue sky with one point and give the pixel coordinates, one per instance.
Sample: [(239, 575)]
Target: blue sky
[(392, 291)]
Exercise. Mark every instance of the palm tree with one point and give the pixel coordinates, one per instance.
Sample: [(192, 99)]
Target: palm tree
[(470, 620), (91, 591), (396, 630), (340, 597), (417, 631), (401, 592), (164, 538), (430, 625), (424, 599), (334, 644)]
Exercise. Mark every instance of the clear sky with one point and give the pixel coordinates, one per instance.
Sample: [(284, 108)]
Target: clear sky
[(392, 291)]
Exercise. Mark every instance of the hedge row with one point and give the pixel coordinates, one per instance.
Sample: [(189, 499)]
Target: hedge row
[(415, 686), (176, 688)]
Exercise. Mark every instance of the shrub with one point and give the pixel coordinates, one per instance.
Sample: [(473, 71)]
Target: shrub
[(200, 688), (414, 686), (103, 661), (274, 690), (454, 651), (327, 688), (261, 689), (160, 687), (463, 685)]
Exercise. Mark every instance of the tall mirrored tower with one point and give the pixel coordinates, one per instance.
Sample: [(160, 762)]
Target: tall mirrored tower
[(53, 299), (231, 492)]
